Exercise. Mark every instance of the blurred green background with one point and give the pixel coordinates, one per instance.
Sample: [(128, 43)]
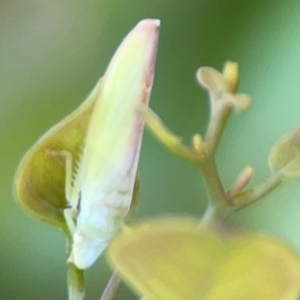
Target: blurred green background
[(53, 52)]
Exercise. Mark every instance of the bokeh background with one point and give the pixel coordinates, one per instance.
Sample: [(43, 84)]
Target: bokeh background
[(53, 52)]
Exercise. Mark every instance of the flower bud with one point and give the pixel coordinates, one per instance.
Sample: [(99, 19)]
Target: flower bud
[(231, 76), (211, 79), (222, 86)]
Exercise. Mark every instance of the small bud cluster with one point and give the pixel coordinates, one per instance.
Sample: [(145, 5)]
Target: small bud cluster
[(222, 86)]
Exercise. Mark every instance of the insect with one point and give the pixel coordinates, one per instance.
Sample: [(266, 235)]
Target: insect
[(99, 193)]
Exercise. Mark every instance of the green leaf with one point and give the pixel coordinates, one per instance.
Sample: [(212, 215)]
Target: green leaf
[(40, 179), (284, 156), (173, 258)]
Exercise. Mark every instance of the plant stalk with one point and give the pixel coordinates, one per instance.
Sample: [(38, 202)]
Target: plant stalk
[(219, 116), (218, 208), (75, 276), (75, 280), (111, 287)]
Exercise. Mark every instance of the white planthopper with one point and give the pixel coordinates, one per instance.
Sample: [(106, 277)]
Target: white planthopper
[(100, 193)]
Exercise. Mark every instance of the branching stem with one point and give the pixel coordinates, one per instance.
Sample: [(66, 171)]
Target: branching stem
[(218, 208), (247, 198), (222, 204)]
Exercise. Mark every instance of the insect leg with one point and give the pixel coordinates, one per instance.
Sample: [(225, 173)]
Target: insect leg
[(72, 190)]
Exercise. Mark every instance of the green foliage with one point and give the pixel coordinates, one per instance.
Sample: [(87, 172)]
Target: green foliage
[(192, 262), (175, 258), (284, 156), (40, 178)]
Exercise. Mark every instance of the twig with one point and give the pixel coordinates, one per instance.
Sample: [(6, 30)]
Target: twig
[(75, 279), (111, 287)]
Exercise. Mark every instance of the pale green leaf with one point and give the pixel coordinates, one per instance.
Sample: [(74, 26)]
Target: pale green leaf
[(284, 156), (174, 258), (40, 179)]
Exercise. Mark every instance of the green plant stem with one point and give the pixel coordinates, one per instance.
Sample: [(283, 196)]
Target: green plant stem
[(218, 208), (214, 214), (75, 276), (75, 279), (219, 116), (111, 287), (213, 182)]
